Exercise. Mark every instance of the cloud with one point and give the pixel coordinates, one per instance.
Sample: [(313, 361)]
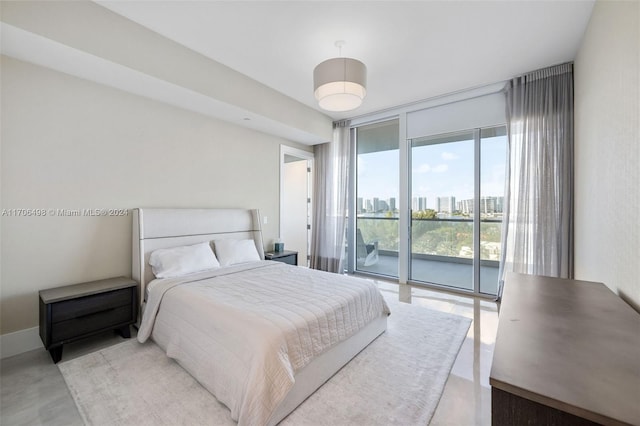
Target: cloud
[(426, 168), (449, 156)]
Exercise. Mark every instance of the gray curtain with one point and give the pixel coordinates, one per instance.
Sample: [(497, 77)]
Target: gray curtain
[(330, 190), (538, 221)]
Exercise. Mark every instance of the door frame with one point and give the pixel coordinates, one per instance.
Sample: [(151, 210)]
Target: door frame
[(303, 155)]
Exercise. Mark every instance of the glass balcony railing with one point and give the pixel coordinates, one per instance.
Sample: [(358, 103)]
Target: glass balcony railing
[(438, 246)]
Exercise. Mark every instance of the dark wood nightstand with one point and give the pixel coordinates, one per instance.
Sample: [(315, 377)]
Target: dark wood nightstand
[(77, 311), (286, 256)]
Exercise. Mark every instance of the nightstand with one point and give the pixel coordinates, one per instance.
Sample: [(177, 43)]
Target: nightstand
[(77, 311), (286, 256)]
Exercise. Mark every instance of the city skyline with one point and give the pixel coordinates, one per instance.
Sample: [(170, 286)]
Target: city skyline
[(449, 204), (438, 171)]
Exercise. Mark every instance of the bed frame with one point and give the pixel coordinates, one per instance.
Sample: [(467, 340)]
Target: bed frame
[(163, 228)]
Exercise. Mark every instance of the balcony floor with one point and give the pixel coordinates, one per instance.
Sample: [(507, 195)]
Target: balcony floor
[(451, 274)]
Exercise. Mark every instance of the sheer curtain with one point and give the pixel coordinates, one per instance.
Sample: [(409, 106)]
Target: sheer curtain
[(330, 190), (537, 233)]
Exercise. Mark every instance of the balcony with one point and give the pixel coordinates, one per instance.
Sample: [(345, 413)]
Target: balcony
[(442, 251)]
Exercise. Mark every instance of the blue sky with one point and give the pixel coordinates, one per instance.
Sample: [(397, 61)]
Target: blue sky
[(440, 170)]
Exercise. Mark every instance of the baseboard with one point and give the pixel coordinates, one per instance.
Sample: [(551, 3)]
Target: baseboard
[(19, 342)]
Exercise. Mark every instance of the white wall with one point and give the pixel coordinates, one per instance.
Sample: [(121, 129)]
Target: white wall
[(607, 150), (69, 143), (294, 201)]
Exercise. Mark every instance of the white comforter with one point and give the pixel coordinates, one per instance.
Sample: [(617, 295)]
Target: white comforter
[(244, 331)]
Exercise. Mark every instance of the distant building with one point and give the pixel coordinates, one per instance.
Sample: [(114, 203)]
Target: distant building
[(422, 203), (466, 206), (369, 206), (488, 205), (392, 204), (446, 204), (360, 205), (419, 203)]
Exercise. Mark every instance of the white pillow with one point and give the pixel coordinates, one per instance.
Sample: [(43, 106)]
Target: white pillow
[(231, 252), (177, 261)]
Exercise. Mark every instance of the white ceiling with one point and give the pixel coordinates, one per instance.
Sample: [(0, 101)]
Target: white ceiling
[(413, 50)]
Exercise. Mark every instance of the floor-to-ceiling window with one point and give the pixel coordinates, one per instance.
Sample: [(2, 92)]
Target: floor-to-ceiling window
[(455, 196), (376, 222), (427, 191)]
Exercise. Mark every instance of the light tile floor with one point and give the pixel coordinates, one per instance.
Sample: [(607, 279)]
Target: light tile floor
[(467, 396), (33, 391)]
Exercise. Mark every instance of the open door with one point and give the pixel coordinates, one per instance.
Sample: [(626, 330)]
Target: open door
[(295, 201)]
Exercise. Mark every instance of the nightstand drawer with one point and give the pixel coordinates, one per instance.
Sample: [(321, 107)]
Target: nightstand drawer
[(80, 307), (291, 259), (91, 322)]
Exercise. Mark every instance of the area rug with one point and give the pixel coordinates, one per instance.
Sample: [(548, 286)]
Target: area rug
[(398, 379)]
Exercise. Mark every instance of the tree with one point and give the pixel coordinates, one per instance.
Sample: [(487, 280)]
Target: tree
[(424, 214)]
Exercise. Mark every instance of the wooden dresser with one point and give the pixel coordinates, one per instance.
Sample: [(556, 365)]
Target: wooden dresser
[(567, 353)]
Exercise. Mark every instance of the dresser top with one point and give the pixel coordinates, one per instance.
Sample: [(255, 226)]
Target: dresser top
[(571, 345), (59, 294)]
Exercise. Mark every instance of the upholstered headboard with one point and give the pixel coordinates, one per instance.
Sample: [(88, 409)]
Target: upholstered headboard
[(162, 228)]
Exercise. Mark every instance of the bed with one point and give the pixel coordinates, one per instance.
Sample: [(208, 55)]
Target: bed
[(261, 336)]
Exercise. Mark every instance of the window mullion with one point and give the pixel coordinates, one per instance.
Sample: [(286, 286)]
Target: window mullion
[(476, 212)]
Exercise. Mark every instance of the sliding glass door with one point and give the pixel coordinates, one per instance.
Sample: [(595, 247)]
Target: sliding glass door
[(442, 227), (457, 197), (452, 202)]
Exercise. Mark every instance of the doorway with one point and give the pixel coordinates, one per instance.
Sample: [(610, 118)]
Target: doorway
[(295, 201)]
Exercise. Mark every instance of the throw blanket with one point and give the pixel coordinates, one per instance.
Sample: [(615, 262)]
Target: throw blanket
[(244, 331)]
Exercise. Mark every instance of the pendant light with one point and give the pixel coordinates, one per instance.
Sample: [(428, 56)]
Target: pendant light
[(340, 84)]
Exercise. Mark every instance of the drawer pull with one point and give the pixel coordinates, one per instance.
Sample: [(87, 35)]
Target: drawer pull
[(95, 313), (75, 308), (93, 322)]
